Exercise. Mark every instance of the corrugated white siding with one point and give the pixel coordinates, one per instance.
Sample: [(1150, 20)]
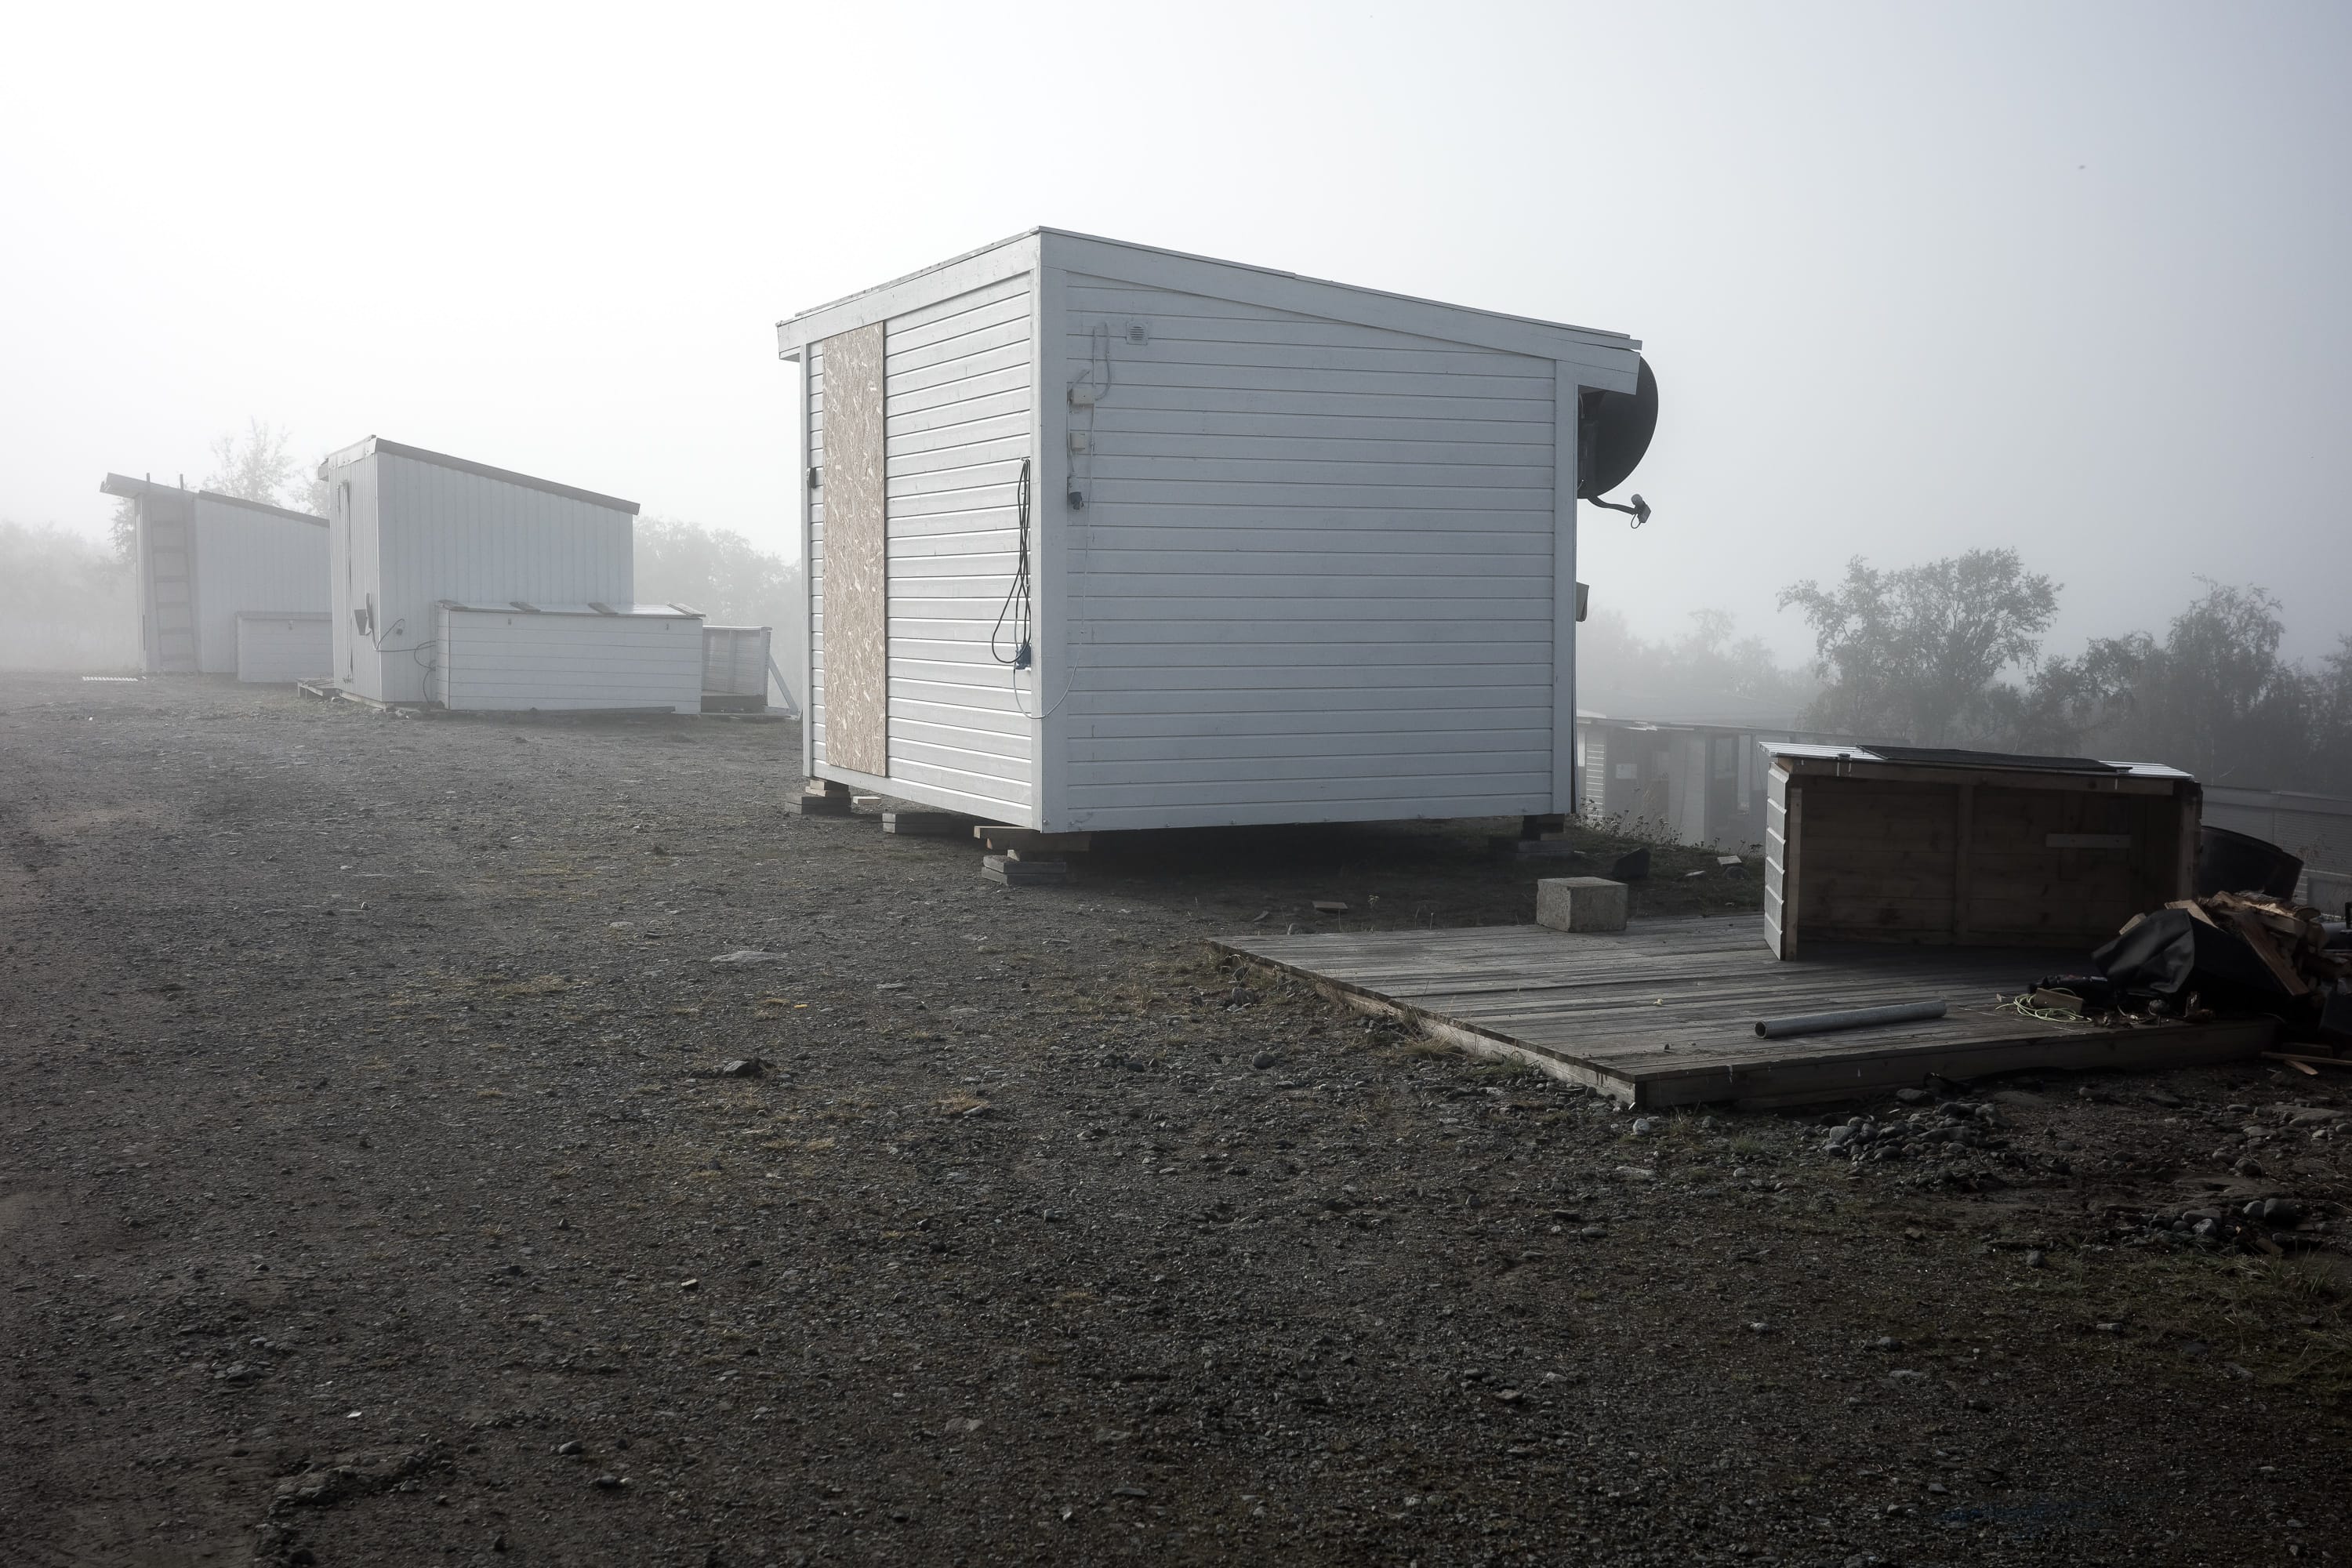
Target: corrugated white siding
[(491, 661), (354, 576), (281, 649), (424, 533), (958, 419), (735, 662), (1313, 580), (250, 559), (813, 720)]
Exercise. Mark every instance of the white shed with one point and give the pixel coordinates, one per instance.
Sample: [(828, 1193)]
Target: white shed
[(409, 528), (202, 558), (1100, 536)]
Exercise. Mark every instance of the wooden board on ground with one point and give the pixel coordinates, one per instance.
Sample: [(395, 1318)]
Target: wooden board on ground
[(1665, 1013), (928, 823), (1012, 873)]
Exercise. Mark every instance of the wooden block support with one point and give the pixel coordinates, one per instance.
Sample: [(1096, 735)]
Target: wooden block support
[(1032, 841), (1580, 903), (823, 797), (926, 824), (1012, 873)]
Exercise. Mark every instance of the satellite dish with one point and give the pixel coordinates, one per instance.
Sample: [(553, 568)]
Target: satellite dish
[(1613, 432)]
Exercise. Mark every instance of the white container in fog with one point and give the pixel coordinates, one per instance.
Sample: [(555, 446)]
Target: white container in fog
[(410, 528), (735, 668), (1296, 552), (202, 558)]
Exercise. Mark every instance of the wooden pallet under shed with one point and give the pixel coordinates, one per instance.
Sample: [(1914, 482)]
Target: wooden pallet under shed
[(1665, 1013)]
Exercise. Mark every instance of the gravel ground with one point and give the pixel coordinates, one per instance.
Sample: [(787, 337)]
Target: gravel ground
[(369, 1193)]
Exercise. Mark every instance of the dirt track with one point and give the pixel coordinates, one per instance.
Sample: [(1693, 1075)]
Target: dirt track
[(358, 1155)]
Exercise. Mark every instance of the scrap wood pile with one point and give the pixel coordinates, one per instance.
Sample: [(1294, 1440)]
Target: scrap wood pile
[(2227, 953)]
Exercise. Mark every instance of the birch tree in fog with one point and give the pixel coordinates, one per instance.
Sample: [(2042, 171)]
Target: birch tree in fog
[(1916, 652), (256, 466)]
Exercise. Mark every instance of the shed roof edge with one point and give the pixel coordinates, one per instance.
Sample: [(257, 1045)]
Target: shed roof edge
[(124, 485), (377, 444), (794, 332)]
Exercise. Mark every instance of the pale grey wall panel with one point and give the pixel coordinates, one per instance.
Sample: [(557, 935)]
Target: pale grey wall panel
[(494, 660), (281, 649), (959, 424), (249, 558), (1313, 577)]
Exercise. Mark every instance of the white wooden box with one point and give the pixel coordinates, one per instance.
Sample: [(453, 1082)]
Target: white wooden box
[(568, 659)]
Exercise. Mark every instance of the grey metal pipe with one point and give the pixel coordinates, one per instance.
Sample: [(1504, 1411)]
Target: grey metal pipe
[(1852, 1018)]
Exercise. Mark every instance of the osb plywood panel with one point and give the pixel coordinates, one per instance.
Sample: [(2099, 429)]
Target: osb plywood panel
[(856, 599)]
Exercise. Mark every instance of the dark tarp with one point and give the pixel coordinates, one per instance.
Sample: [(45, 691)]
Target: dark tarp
[(2172, 953)]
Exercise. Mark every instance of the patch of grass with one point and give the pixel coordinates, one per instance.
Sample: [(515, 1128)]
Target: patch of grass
[(490, 1094)]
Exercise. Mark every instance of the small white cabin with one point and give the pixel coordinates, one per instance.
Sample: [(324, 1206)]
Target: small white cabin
[(410, 529), (1100, 536), (203, 559)]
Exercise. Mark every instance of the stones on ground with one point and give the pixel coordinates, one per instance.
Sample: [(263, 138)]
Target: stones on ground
[(1262, 1060), (742, 1067), (1329, 907), (1644, 1127), (1914, 1096), (2033, 1259), (743, 958), (608, 1482), (570, 1446)]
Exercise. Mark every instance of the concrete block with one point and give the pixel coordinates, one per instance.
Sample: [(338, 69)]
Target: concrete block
[(1580, 903)]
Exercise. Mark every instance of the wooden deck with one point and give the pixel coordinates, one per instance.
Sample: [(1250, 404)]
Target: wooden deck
[(1665, 1013)]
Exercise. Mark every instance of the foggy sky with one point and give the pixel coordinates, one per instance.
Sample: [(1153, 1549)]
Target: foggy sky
[(2068, 278)]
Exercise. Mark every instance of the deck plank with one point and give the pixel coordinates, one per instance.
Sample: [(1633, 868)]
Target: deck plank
[(1664, 1012)]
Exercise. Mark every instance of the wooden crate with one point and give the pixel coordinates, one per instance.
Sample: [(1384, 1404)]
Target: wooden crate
[(1901, 845)]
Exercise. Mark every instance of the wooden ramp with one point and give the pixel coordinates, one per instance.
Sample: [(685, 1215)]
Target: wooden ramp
[(1665, 1013)]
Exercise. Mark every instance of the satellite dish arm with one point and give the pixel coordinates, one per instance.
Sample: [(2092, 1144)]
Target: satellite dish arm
[(1639, 510)]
